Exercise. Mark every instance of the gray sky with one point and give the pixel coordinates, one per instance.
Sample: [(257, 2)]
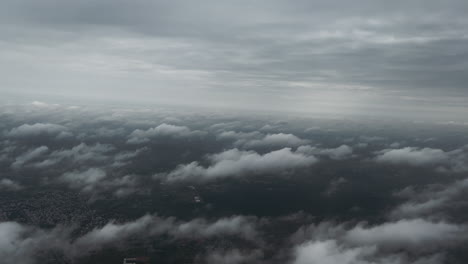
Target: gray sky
[(399, 57)]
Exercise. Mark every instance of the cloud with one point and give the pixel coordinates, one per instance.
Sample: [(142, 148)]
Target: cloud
[(84, 152), (413, 156), (29, 155), (401, 242), (7, 184), (341, 152), (125, 157), (236, 163), (415, 235), (234, 256), (268, 52), (328, 252), (276, 140), (240, 138), (95, 181), (152, 226), (139, 136), (78, 154), (331, 252), (84, 180), (40, 104), (38, 129), (447, 161), (427, 216), (335, 186), (21, 243), (432, 201), (256, 139), (458, 160), (122, 186), (113, 233)]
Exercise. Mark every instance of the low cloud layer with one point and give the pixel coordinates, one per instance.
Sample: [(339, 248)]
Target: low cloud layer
[(225, 188)]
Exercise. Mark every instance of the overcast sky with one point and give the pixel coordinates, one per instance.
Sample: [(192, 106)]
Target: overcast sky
[(361, 56)]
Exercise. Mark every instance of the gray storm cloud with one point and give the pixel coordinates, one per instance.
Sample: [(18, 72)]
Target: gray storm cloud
[(312, 56)]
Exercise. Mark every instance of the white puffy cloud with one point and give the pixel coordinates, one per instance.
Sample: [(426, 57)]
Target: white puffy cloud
[(458, 160), (256, 139), (29, 155), (45, 105), (38, 129), (84, 152), (21, 244), (84, 180), (152, 225), (95, 181), (235, 162), (341, 152), (431, 201), (413, 234), (78, 154), (406, 234), (236, 225), (405, 241), (7, 147), (446, 161), (332, 252), (329, 252), (277, 140), (121, 186), (164, 130), (413, 156), (125, 157), (240, 138), (39, 104)]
